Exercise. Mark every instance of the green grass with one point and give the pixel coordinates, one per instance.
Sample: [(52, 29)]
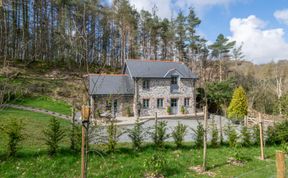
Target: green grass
[(34, 124), (32, 159), (46, 103)]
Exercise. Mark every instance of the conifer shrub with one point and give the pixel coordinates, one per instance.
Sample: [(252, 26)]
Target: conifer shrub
[(113, 136), (182, 110), (231, 136), (14, 131), (199, 135), (214, 134), (245, 136), (54, 134), (179, 133), (238, 107), (159, 134), (137, 134), (256, 134), (271, 135), (75, 138)]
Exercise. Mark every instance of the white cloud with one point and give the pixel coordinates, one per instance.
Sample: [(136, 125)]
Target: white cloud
[(169, 8), (259, 44), (282, 16)]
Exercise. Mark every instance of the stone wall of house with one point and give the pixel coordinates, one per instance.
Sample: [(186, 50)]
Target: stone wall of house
[(160, 88), (124, 102)]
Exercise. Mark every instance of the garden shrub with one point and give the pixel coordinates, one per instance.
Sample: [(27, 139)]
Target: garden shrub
[(159, 135), (245, 136), (231, 135), (179, 133), (271, 135), (156, 164), (256, 134), (199, 135), (214, 134), (137, 134), (113, 136), (14, 132), (53, 136), (75, 138)]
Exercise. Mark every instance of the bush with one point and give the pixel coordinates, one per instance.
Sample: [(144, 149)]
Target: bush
[(271, 135), (75, 138), (53, 136), (178, 134), (238, 107), (214, 134), (284, 147), (199, 135), (231, 136), (113, 136), (169, 110), (256, 135), (183, 111), (129, 113), (159, 135), (137, 134), (245, 136), (156, 164), (281, 132), (13, 130)]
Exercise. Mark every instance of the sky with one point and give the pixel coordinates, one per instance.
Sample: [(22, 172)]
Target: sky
[(261, 26)]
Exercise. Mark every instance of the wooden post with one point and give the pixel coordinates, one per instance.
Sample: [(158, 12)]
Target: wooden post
[(205, 138), (261, 137), (280, 164)]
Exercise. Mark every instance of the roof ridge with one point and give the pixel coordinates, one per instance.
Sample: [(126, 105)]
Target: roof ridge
[(108, 74), (151, 60)]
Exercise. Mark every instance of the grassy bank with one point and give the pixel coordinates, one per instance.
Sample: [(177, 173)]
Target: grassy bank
[(33, 161)]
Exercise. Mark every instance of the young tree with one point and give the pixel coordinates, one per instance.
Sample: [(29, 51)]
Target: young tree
[(159, 134), (238, 107), (137, 134), (199, 134), (54, 134), (14, 132), (178, 134)]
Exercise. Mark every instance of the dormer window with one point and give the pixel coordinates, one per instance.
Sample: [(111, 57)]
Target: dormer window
[(174, 84), (174, 80), (146, 84)]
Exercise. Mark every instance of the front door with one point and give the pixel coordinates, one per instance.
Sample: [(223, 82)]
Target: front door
[(174, 106)]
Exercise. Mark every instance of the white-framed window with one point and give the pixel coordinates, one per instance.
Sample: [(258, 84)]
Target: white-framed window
[(186, 101), (145, 103), (145, 84), (174, 80), (159, 102)]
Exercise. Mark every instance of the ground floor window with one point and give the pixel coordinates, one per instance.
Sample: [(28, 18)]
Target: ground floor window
[(186, 101), (145, 103), (160, 103)]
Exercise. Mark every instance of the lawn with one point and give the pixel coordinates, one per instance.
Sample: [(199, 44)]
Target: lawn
[(33, 161), (46, 103)]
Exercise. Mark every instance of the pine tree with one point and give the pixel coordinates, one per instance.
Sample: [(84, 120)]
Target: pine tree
[(238, 107), (53, 135)]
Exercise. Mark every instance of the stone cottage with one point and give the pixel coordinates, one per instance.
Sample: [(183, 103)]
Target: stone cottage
[(143, 88)]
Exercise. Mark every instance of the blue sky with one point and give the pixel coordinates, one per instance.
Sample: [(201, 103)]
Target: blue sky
[(260, 25)]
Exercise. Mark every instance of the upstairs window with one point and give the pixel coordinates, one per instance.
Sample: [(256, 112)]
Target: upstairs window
[(145, 103), (186, 102), (174, 80), (160, 103), (145, 84)]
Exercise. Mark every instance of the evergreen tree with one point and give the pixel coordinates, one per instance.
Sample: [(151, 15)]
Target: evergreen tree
[(53, 136), (238, 107)]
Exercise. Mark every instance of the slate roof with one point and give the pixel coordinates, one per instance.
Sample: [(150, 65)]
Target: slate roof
[(157, 69), (110, 84)]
